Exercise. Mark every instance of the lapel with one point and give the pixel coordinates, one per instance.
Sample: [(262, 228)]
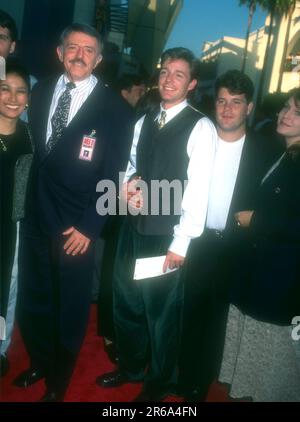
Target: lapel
[(243, 180), (95, 102), (39, 121)]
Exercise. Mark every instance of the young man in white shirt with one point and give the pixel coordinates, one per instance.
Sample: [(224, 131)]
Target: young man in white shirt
[(173, 143), (238, 168)]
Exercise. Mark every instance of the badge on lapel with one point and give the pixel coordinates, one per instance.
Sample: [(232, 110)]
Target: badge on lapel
[(87, 146)]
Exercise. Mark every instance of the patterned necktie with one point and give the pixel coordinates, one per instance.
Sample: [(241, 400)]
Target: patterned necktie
[(59, 119), (162, 119)]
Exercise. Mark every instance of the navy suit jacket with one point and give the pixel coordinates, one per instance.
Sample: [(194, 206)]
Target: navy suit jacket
[(256, 159), (62, 187), (270, 270)]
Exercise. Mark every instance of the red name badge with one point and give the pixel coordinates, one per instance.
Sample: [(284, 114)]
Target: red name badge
[(87, 148)]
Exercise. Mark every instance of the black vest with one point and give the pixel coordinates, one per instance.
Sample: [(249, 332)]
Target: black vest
[(162, 157)]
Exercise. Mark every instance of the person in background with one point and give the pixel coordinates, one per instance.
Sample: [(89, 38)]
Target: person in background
[(132, 88), (148, 102), (15, 160), (77, 144), (239, 165), (262, 354), (8, 45), (8, 34)]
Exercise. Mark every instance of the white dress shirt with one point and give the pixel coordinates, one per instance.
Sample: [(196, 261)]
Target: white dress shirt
[(78, 96), (225, 172), (201, 148)]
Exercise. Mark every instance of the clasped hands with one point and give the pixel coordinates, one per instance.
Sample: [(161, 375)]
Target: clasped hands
[(132, 194)]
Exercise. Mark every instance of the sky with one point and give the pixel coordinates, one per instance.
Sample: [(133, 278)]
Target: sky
[(209, 20)]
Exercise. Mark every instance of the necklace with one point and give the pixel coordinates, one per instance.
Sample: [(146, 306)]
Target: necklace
[(3, 146)]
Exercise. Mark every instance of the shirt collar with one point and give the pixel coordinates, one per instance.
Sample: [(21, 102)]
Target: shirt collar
[(173, 111), (80, 85)]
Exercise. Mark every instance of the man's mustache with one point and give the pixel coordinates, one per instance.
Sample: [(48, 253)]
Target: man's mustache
[(78, 61)]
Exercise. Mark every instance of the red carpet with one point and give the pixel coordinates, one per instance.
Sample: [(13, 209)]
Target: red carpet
[(91, 363)]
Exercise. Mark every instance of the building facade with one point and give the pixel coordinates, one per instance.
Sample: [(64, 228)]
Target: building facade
[(227, 53)]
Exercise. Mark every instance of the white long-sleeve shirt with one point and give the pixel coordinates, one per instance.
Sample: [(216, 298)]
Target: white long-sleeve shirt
[(201, 149)]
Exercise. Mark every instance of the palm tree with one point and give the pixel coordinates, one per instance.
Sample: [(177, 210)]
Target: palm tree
[(286, 42), (251, 4), (274, 7)]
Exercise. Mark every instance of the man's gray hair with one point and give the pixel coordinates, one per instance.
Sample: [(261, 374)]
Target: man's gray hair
[(85, 29)]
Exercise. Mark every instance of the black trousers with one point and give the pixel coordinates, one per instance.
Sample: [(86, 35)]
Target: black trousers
[(206, 283), (53, 303), (105, 275), (147, 313), (7, 252)]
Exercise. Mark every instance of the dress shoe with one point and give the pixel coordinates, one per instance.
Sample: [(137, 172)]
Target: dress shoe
[(27, 378), (114, 379), (51, 397), (4, 365), (111, 352)]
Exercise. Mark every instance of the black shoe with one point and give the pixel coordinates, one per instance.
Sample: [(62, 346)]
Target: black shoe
[(114, 379), (111, 352), (51, 397), (4, 365), (28, 377)]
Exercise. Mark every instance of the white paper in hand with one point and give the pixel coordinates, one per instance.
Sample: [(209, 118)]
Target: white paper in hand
[(150, 267)]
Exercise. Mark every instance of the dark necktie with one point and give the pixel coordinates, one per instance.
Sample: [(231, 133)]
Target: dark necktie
[(59, 119)]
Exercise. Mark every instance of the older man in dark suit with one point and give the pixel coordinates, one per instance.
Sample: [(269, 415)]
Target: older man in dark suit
[(80, 131)]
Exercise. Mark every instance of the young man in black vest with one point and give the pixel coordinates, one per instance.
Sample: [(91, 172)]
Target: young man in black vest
[(241, 161), (173, 143)]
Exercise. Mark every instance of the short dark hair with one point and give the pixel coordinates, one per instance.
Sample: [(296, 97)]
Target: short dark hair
[(13, 66), (295, 94), (237, 83), (6, 21), (85, 29), (127, 81), (181, 53)]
